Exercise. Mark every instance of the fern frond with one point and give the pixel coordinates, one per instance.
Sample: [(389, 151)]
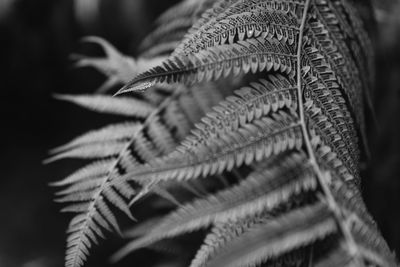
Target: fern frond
[(327, 51), (363, 228), (95, 169), (247, 104), (222, 234), (115, 132), (329, 160), (223, 10), (252, 55), (225, 232), (84, 186), (287, 232), (263, 190), (253, 142), (353, 63), (280, 155), (375, 249), (335, 134), (91, 151), (349, 198), (327, 93), (344, 21), (94, 214), (348, 208), (177, 120), (83, 230), (122, 106), (161, 136), (254, 20), (102, 143), (94, 189)]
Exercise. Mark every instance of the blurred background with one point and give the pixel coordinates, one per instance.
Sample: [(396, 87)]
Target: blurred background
[(36, 39)]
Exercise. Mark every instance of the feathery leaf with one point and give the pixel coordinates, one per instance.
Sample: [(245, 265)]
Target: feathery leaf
[(287, 232), (123, 106), (252, 55), (263, 190)]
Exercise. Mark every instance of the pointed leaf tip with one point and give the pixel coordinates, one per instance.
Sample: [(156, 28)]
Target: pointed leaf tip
[(137, 87)]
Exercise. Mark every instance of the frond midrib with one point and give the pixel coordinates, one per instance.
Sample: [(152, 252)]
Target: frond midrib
[(321, 176)]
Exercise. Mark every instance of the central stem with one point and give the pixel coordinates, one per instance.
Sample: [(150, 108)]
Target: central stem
[(323, 178)]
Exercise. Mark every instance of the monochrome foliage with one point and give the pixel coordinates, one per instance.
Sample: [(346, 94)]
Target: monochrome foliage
[(246, 121)]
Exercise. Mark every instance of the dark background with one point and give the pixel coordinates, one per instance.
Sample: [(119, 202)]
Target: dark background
[(36, 38)]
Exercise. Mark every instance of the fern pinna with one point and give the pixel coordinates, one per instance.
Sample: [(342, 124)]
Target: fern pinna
[(263, 100)]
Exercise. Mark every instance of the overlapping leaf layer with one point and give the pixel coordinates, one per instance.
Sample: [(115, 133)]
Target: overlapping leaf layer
[(250, 126)]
